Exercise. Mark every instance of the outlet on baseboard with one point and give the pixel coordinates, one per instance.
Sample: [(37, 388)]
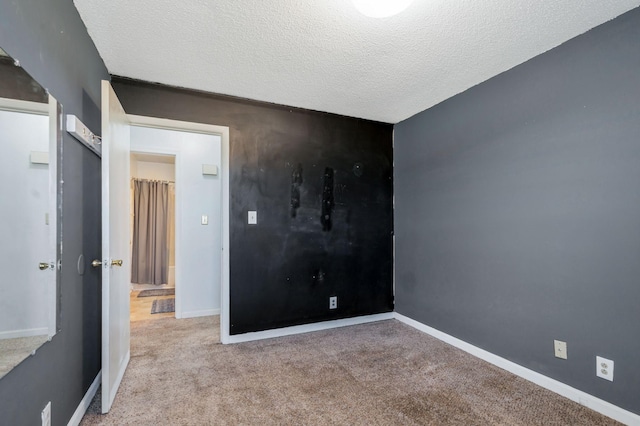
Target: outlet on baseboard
[(604, 368), (46, 415)]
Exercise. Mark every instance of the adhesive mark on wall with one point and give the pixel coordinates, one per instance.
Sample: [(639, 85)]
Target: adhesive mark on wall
[(296, 181), (327, 199), (358, 169), (318, 277)]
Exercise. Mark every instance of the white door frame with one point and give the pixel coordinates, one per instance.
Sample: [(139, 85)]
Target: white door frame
[(223, 132)]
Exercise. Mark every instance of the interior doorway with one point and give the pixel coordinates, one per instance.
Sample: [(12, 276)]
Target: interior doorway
[(200, 171), (152, 236)]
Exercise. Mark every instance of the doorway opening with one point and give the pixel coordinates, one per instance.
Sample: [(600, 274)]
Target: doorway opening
[(196, 154), (152, 236)]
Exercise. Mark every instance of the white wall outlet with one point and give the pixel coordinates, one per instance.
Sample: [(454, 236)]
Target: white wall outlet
[(560, 349), (253, 218), (46, 415), (333, 302), (604, 368), (205, 219)]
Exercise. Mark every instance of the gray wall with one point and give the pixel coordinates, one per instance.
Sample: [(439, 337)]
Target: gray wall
[(518, 212), (52, 44), (283, 270)]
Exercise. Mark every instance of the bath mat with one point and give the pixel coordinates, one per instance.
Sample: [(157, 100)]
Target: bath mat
[(157, 292), (161, 306)]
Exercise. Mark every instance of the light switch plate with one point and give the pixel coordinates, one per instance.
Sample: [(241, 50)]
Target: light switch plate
[(205, 219), (560, 349), (253, 217)]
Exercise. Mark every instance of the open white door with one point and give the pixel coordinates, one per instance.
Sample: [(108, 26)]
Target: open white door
[(115, 244)]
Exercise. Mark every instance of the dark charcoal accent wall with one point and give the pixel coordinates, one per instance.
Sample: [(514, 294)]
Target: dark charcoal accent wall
[(52, 44), (283, 161), (16, 83), (518, 212)]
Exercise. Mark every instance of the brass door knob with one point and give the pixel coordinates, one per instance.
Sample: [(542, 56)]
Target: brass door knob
[(116, 263), (96, 263), (44, 265)]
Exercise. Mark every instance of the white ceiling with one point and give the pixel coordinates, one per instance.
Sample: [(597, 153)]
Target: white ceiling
[(324, 55)]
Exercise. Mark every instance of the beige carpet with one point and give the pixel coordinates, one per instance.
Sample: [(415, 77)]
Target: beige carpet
[(383, 373)]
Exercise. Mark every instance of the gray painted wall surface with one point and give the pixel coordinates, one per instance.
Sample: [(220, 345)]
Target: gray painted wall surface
[(52, 44), (518, 212)]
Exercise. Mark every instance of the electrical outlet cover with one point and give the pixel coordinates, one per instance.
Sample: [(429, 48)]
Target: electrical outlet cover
[(604, 368), (333, 302)]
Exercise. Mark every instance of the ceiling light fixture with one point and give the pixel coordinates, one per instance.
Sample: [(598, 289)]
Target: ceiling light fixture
[(381, 8)]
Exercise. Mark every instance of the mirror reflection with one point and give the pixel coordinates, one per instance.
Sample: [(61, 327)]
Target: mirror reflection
[(29, 133)]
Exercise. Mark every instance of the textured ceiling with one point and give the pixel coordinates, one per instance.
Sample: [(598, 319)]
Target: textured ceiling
[(324, 55)]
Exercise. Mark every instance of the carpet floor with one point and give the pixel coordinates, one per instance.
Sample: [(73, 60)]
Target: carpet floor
[(383, 373)]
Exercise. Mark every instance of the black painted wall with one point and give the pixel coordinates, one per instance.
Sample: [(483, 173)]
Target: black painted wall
[(322, 187), (518, 212), (16, 83), (52, 44)]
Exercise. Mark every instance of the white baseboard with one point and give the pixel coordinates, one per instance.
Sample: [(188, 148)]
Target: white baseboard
[(30, 332), (582, 398), (86, 401), (306, 328), (203, 313)]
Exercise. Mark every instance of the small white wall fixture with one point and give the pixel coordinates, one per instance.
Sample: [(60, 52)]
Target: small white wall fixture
[(81, 132), (381, 8), (210, 169)]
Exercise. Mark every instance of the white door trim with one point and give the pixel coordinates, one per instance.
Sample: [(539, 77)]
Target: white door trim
[(29, 107), (223, 132)]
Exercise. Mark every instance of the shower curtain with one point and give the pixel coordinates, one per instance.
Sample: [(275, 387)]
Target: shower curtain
[(150, 251)]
